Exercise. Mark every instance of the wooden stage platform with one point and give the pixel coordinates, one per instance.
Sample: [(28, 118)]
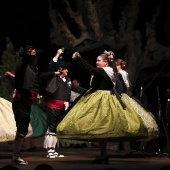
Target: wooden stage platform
[(81, 158)]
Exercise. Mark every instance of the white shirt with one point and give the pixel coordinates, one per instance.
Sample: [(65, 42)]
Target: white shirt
[(125, 77)]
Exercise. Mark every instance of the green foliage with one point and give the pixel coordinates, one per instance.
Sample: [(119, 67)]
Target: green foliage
[(10, 60)]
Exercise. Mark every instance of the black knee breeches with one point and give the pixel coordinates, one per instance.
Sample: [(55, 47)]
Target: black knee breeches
[(22, 116), (54, 117)]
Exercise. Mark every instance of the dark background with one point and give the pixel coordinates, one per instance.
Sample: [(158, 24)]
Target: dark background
[(27, 23)]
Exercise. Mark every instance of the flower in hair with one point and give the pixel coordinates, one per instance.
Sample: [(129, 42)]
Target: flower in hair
[(109, 53)]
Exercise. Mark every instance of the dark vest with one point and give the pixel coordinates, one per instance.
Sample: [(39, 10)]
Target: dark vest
[(26, 78), (57, 89)]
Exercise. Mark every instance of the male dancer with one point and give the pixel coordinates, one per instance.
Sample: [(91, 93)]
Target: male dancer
[(58, 97), (27, 88)]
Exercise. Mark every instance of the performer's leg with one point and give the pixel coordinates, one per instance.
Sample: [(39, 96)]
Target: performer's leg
[(103, 147), (53, 118), (17, 145), (127, 148), (16, 158), (50, 143), (103, 158), (22, 118)]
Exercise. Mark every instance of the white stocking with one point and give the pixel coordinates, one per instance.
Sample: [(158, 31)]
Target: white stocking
[(54, 141), (50, 140)]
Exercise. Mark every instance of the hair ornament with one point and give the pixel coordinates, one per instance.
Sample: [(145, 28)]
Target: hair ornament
[(105, 52), (110, 53)]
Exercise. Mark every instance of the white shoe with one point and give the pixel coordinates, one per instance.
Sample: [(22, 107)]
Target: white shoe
[(57, 155), (19, 161), (51, 155)]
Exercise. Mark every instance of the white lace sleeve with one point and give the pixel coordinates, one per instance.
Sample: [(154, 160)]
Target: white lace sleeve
[(125, 78)]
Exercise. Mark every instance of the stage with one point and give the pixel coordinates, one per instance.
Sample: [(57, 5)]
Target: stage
[(81, 158)]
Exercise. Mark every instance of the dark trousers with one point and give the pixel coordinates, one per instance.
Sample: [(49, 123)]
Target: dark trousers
[(54, 117), (22, 116)]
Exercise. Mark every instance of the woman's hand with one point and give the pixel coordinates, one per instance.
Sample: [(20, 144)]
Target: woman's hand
[(76, 55)]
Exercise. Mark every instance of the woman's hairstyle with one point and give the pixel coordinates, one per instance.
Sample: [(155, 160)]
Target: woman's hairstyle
[(108, 56), (109, 53), (121, 63)]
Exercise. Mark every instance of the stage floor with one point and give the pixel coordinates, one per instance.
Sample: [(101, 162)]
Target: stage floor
[(81, 158)]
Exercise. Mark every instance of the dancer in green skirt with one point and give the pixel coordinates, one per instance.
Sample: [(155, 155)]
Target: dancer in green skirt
[(102, 114)]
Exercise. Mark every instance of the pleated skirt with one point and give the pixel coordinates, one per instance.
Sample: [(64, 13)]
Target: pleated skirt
[(100, 115), (7, 122)]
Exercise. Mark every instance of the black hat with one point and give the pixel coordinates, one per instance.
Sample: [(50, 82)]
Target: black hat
[(26, 51), (29, 48), (62, 64)]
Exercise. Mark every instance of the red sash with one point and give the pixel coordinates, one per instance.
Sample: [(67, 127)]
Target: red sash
[(59, 104), (29, 99)]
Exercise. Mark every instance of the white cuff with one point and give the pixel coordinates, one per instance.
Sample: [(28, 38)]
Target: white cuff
[(66, 104), (55, 59)]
